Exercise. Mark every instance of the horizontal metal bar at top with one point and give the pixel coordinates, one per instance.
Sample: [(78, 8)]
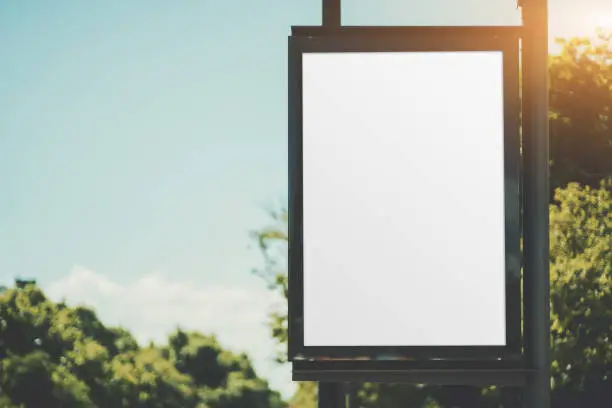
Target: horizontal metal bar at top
[(399, 365), (407, 31), (479, 377)]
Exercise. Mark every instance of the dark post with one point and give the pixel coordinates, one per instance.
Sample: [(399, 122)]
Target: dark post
[(351, 395), (536, 190), (332, 13), (331, 395)]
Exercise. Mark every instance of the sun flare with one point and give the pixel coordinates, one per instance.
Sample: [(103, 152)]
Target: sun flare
[(568, 23), (602, 20)]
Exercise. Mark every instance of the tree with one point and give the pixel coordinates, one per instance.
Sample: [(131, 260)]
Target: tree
[(239, 392), (55, 385), (581, 294), (73, 360), (115, 339), (144, 378), (581, 111), (224, 379)]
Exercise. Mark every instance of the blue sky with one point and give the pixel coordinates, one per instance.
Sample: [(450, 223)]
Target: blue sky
[(140, 142)]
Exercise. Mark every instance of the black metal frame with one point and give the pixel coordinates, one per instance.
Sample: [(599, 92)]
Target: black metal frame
[(408, 39), (433, 373)]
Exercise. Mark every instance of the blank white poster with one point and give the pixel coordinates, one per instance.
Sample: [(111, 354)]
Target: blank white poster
[(403, 177)]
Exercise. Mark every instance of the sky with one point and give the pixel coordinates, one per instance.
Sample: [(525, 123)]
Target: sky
[(141, 141)]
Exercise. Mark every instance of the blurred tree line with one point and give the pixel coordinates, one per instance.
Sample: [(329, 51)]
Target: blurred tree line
[(55, 356), (580, 249)]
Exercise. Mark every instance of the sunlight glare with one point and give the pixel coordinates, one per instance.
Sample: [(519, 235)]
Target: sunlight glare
[(600, 20)]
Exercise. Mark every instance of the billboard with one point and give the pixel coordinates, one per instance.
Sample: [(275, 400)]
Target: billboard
[(404, 201)]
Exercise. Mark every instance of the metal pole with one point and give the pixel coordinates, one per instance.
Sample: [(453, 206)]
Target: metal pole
[(331, 395), (351, 397), (536, 189), (332, 13)]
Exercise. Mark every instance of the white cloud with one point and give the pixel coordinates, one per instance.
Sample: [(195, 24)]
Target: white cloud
[(154, 305)]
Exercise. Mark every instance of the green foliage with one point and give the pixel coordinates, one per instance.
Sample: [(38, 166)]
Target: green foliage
[(55, 385), (581, 111), (241, 392), (581, 290), (202, 358), (306, 395), (272, 242), (143, 378), (73, 360)]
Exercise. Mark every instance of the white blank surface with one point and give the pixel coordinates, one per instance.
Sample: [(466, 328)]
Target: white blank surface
[(403, 178)]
